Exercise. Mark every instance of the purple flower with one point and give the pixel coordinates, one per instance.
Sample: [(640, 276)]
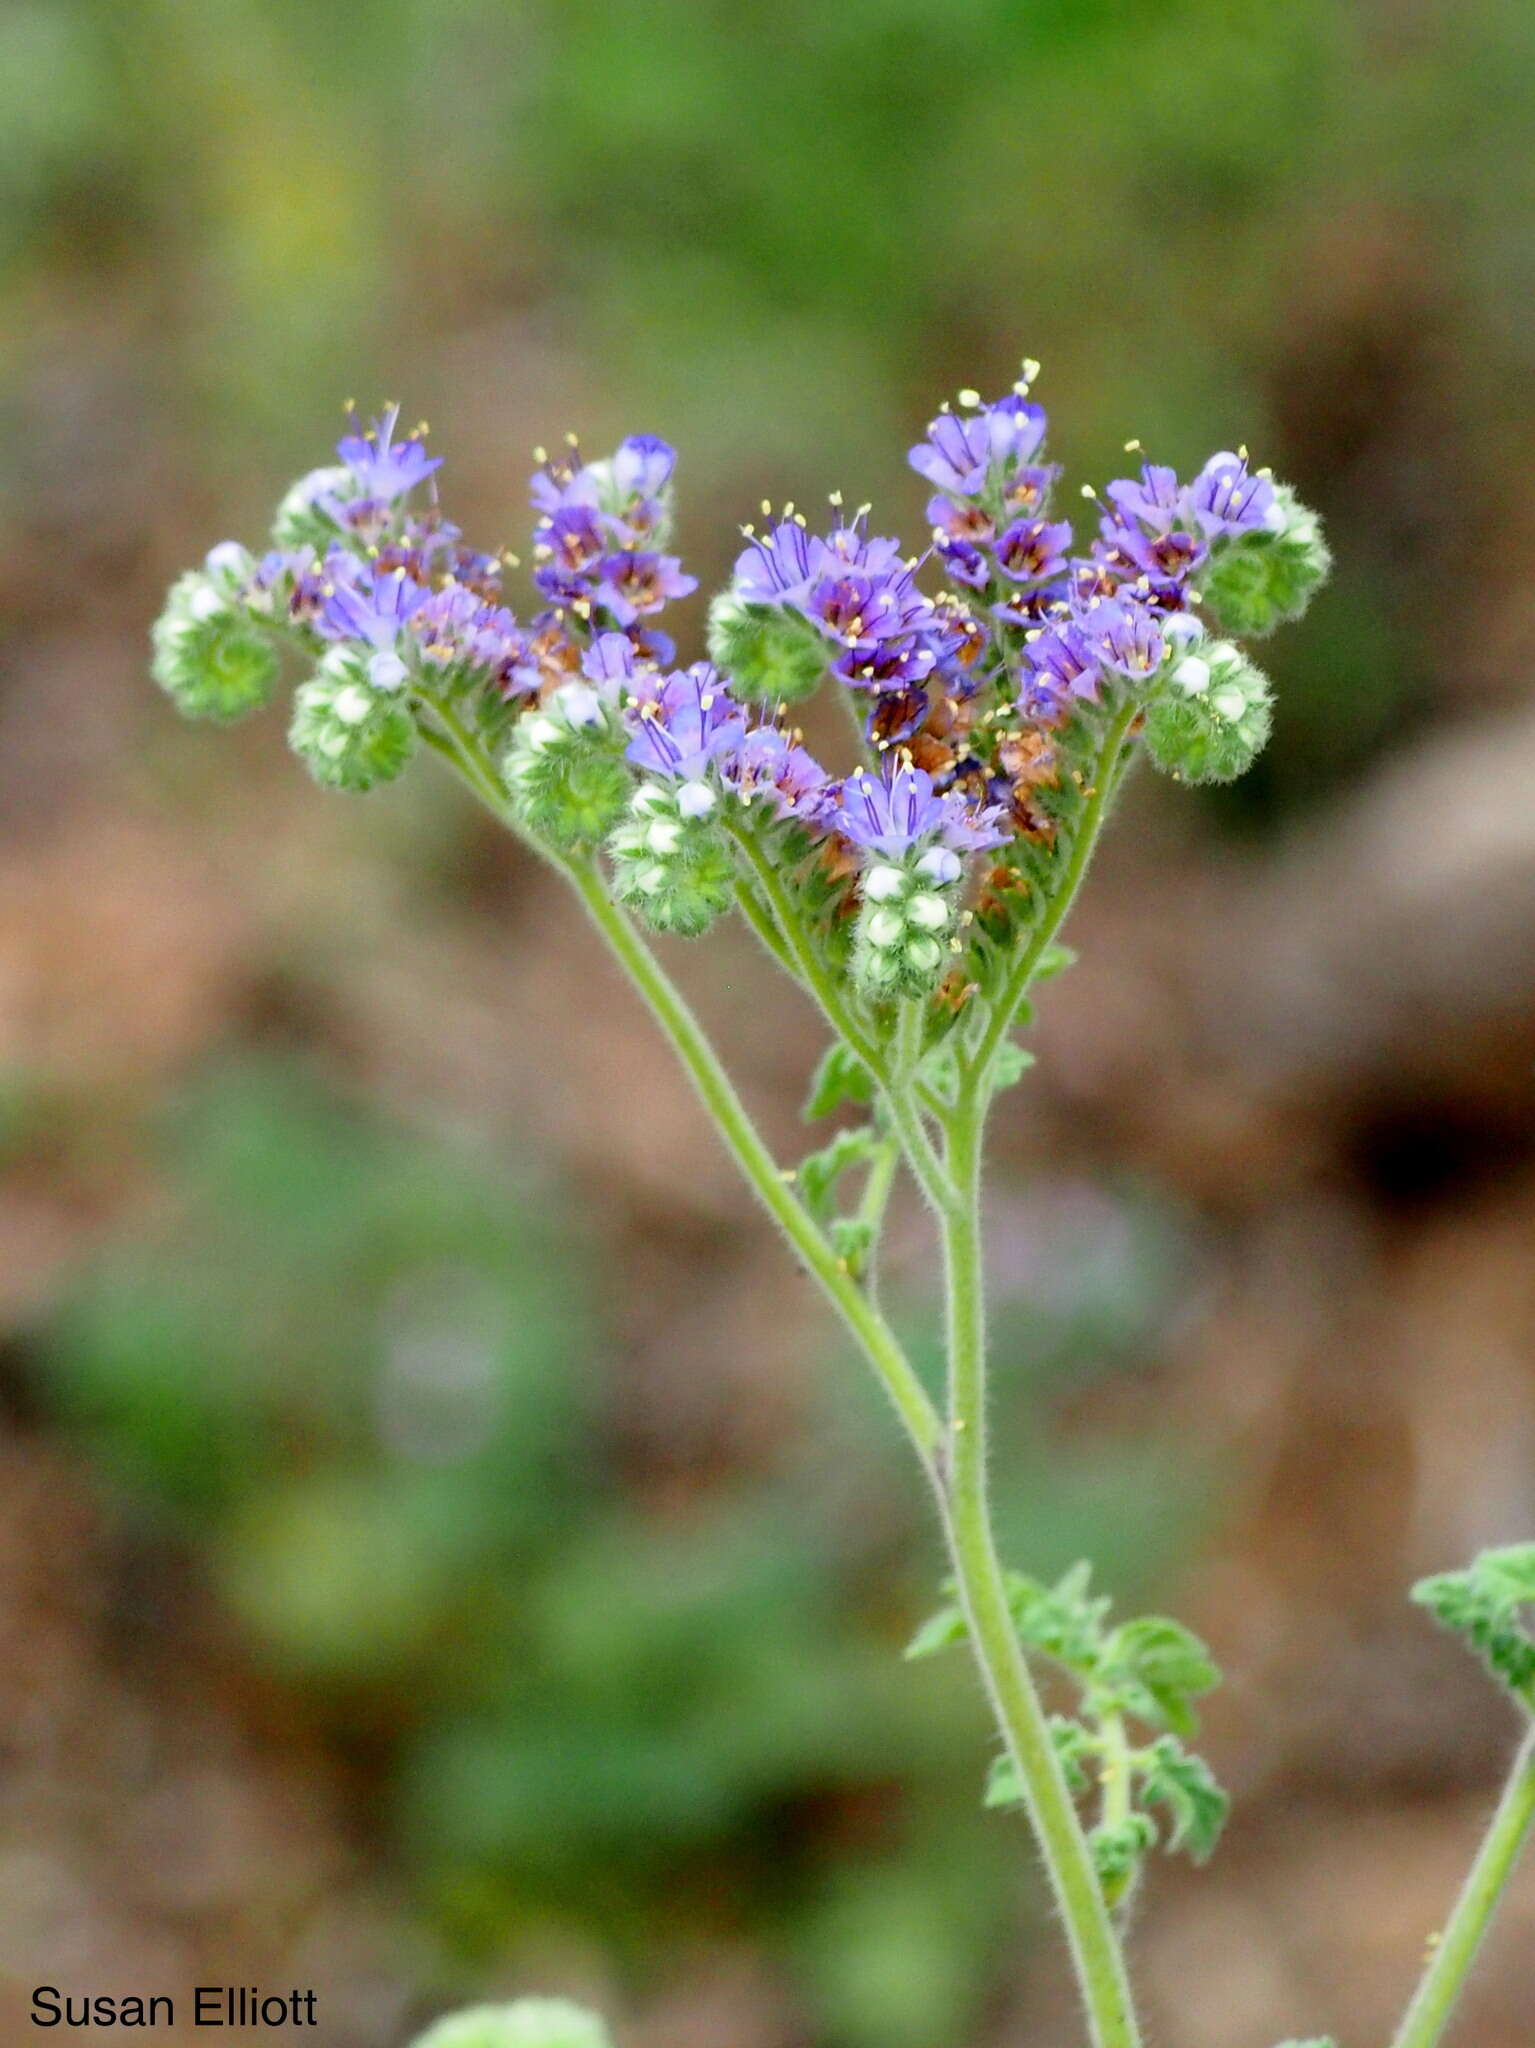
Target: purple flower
[(563, 480), (960, 522), (776, 567), (1154, 500), (888, 813), (1028, 489), (893, 812), (1225, 499), (1033, 550), (862, 611), (1061, 663), (768, 763), (610, 663), (962, 560), (1126, 635), (632, 584), (961, 452), (643, 465), (683, 722), (456, 625), (384, 468), (372, 605)]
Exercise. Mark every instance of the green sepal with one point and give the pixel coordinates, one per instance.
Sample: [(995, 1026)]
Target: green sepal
[(1486, 1604), (1212, 717), (529, 2023), (209, 654), (350, 735), (568, 780), (767, 652), (841, 1077), (299, 521), (1170, 1776), (852, 1239), (677, 871), (1257, 581)]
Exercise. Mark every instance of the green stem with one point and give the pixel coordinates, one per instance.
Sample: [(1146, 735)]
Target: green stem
[(740, 1134), (899, 1089), (1455, 1952), (982, 1590), (1108, 774)]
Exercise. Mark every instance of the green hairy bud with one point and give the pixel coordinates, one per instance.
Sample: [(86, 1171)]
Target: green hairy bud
[(209, 653), (1259, 580), (299, 518), (530, 2023), (349, 732), (1211, 720), (565, 769), (671, 862), (768, 653), (901, 942)]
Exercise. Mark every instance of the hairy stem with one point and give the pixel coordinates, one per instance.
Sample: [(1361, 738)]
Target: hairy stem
[(666, 1004), (982, 1589), (1457, 1948)]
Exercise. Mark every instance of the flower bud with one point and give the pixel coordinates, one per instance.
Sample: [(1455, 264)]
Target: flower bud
[(350, 733), (1259, 579), (671, 864), (767, 653), (1212, 718), (565, 769), (530, 2023), (906, 918), (209, 654)]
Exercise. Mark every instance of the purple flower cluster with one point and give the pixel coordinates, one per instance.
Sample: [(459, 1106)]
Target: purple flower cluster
[(1156, 532), (885, 636), (595, 549)]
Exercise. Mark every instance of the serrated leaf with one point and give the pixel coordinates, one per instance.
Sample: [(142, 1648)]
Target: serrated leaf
[(1157, 1666), (840, 1077), (1072, 1745), (819, 1173), (1065, 1620), (1172, 1777), (1485, 1604), (939, 1632)]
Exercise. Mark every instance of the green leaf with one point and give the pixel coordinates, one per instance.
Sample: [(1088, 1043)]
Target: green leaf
[(1013, 1062), (1157, 1667), (841, 1077), (939, 1632), (819, 1173), (1053, 961), (1186, 1786), (1003, 1785), (1065, 1620), (1118, 1852), (1485, 1604), (852, 1239)]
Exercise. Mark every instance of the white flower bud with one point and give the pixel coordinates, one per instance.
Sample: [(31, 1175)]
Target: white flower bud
[(940, 864), (882, 883), (1192, 675), (696, 799), (386, 671), (928, 913), (886, 928)]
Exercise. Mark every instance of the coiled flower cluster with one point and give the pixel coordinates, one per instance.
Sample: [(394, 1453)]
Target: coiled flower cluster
[(988, 709)]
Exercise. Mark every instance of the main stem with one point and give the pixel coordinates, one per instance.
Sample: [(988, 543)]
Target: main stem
[(1456, 1951), (982, 1591)]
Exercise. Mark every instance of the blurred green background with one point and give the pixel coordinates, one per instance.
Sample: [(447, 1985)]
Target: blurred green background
[(445, 1552)]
